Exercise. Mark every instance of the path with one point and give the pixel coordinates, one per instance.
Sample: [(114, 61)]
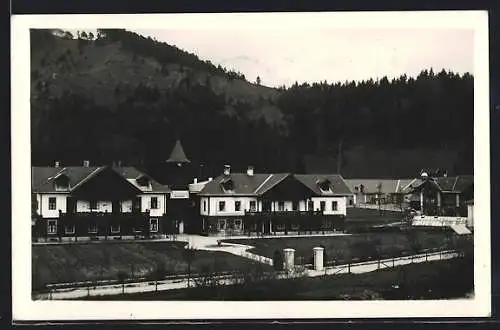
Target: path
[(139, 287)]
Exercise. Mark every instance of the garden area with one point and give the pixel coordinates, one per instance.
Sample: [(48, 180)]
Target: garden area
[(107, 261), (410, 282), (356, 247), (361, 219)]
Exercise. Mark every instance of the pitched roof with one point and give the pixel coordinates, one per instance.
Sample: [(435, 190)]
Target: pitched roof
[(243, 184), (177, 155), (456, 184), (387, 186), (337, 183), (43, 177)]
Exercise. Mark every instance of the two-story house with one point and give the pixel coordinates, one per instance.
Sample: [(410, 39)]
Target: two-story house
[(97, 202), (237, 203)]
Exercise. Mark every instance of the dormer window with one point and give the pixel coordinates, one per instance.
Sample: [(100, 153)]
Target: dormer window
[(325, 186), (61, 182), (143, 181), (227, 185)]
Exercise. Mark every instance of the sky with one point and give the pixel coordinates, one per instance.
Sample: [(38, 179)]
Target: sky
[(281, 57)]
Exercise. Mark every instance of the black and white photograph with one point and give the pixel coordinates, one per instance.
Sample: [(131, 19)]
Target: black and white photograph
[(236, 165)]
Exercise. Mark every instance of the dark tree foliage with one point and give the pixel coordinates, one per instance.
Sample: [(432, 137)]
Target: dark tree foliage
[(434, 111)]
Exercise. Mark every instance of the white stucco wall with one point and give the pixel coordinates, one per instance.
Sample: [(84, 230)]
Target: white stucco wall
[(43, 203), (146, 204), (212, 205), (341, 204), (470, 215)]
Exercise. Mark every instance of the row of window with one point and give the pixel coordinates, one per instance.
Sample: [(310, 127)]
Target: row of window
[(70, 229), (281, 206), (237, 224), (153, 204)]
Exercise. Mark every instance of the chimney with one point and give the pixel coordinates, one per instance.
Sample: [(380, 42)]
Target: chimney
[(227, 170), (250, 171), (57, 164), (86, 163), (195, 180), (445, 174)]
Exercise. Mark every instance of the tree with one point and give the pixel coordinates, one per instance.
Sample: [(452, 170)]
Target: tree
[(84, 35), (189, 254), (258, 80), (158, 273), (91, 36), (121, 276)]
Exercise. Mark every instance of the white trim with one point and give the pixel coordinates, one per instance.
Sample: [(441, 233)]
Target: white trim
[(51, 232), (151, 225), (66, 231), (115, 231), (90, 227)]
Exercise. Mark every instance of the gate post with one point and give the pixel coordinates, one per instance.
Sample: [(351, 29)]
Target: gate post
[(289, 258), (318, 258)]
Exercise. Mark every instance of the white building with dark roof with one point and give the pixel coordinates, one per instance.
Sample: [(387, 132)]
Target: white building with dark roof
[(270, 203)]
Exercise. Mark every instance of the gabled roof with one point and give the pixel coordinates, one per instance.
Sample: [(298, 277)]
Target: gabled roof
[(337, 183), (177, 155), (455, 184), (387, 186), (43, 177), (244, 184)]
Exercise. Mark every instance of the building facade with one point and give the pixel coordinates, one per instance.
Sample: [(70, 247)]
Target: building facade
[(277, 203), (95, 203)]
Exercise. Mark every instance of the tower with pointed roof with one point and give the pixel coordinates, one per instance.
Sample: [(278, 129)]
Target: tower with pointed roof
[(178, 156), (178, 170)]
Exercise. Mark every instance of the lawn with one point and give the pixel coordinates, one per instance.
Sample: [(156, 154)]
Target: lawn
[(345, 248), (88, 262), (415, 281), (359, 217)]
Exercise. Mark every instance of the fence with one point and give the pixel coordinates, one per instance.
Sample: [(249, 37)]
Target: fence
[(89, 289), (355, 266), (436, 221)]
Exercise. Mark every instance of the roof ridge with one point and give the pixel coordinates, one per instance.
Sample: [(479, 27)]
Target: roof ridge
[(286, 175), (260, 186), (455, 183), (90, 175)]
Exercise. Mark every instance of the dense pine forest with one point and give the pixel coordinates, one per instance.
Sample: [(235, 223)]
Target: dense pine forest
[(120, 96)]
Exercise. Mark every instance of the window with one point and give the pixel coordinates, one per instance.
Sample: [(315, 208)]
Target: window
[(222, 224), (92, 228), (295, 226), (237, 205), (322, 205), (204, 206), (280, 227), (52, 203), (153, 225), (335, 205), (253, 207), (52, 225), (93, 205), (238, 224), (310, 206), (154, 203), (281, 206), (222, 206), (295, 205), (69, 229), (115, 229)]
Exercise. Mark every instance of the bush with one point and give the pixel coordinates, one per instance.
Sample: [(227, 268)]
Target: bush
[(278, 260)]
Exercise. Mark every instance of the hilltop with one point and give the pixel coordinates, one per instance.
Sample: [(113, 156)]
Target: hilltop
[(121, 96)]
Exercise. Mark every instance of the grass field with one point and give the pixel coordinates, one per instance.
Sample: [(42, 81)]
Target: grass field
[(87, 262), (345, 248), (357, 217), (416, 281)]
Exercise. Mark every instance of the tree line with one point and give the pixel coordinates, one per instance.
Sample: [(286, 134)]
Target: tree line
[(431, 110)]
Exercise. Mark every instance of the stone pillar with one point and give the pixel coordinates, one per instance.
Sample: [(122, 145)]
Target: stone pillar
[(457, 200), (270, 226), (318, 258), (289, 256), (422, 201), (438, 197)]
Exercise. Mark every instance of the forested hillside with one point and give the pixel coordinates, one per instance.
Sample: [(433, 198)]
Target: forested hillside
[(120, 96)]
